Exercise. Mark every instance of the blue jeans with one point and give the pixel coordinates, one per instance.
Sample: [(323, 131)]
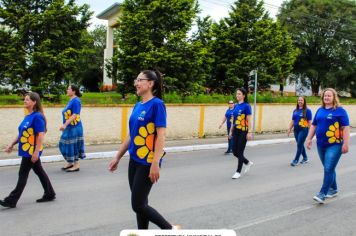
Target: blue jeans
[(300, 134), (329, 156), (230, 141)]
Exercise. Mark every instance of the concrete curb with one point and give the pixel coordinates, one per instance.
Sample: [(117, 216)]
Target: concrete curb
[(99, 155)]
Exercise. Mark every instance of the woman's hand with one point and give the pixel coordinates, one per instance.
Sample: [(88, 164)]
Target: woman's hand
[(63, 127), (35, 157), (309, 143), (9, 148), (249, 136), (113, 165), (345, 148), (289, 131), (154, 172)]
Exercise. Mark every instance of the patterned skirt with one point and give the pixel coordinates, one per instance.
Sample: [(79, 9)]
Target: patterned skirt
[(71, 144)]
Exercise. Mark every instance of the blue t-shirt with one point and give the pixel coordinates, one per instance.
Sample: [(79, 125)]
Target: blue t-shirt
[(299, 120), (73, 107), (32, 124), (241, 111), (144, 120), (328, 123), (229, 114)]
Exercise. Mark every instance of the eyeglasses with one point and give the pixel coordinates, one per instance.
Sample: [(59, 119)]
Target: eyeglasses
[(139, 80), (231, 103)]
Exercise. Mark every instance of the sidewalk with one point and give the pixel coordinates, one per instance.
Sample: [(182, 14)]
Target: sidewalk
[(109, 150)]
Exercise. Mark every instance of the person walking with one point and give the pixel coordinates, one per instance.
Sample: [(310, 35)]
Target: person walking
[(30, 146), (71, 144), (332, 128), (145, 142), (240, 131), (228, 118), (300, 123)]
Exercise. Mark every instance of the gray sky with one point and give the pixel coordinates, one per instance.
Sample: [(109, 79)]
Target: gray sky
[(215, 8)]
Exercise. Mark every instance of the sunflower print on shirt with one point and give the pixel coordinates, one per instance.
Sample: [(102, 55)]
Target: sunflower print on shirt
[(303, 123), (231, 119), (145, 141), (241, 122), (28, 141), (334, 133), (68, 114)]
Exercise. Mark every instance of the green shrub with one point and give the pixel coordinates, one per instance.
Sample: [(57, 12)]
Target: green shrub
[(109, 98)]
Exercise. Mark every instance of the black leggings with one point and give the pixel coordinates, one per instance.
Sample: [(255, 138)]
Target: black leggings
[(238, 148), (140, 185), (25, 167)]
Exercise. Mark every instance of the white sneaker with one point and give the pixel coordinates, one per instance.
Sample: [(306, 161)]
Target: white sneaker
[(236, 175), (176, 227), (248, 166)]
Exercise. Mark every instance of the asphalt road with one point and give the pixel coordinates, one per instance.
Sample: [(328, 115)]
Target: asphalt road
[(195, 191)]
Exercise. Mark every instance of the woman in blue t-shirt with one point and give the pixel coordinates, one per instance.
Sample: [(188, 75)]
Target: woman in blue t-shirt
[(240, 131), (300, 123), (30, 139), (331, 125), (145, 144), (228, 118), (71, 144)]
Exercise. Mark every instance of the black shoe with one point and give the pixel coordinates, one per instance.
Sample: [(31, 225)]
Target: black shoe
[(72, 170), (6, 204), (46, 199), (227, 152), (66, 168)]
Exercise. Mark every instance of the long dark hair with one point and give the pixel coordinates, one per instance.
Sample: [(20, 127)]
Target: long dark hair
[(156, 77), (75, 88), (244, 92), (38, 106), (304, 106)]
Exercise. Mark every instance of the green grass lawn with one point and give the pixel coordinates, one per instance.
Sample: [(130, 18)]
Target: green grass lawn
[(110, 98)]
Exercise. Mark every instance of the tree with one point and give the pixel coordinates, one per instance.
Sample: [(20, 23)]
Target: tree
[(10, 68), (324, 31), (89, 71), (247, 40), (153, 35), (47, 38)]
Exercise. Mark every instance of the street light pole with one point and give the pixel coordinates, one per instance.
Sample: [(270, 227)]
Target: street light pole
[(254, 105)]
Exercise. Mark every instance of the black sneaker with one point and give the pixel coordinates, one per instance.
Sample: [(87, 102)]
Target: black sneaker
[(46, 199), (6, 204)]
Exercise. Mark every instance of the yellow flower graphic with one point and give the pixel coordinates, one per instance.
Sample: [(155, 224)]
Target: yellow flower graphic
[(145, 139), (303, 123), (28, 141), (334, 133), (241, 122), (231, 119), (68, 114)]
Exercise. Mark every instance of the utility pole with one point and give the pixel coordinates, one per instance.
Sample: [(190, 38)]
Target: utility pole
[(254, 104)]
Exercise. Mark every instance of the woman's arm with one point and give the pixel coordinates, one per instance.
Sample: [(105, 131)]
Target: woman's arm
[(249, 134), (290, 127), (71, 118), (9, 148), (39, 143), (231, 131), (310, 136), (120, 153), (159, 144), (222, 122), (346, 138)]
